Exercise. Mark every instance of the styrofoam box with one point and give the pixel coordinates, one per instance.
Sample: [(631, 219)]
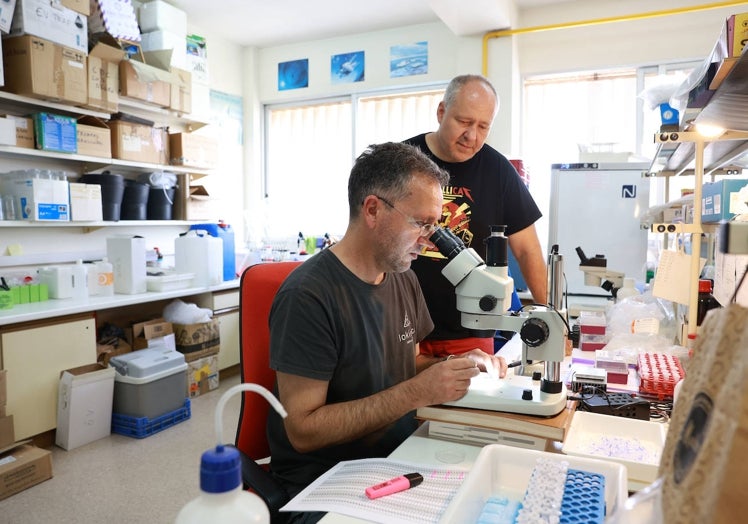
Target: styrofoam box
[(149, 382), (637, 444), (505, 471), (157, 14)]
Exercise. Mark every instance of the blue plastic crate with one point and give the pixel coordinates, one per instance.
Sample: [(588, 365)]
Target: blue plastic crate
[(141, 427)]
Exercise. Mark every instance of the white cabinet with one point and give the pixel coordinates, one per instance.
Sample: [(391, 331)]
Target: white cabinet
[(33, 356)]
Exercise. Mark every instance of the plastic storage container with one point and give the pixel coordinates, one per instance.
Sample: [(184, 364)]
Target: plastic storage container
[(223, 231), (112, 191), (199, 253), (149, 382), (135, 201)]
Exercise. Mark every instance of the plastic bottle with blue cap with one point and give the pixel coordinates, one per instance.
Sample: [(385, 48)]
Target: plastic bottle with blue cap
[(223, 498)]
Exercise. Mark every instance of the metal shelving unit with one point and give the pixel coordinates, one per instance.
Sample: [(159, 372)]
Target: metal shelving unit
[(689, 152)]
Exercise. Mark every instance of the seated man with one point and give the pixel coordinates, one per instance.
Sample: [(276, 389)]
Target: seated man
[(345, 328)]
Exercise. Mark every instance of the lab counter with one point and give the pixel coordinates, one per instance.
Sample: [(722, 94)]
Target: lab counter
[(68, 306)]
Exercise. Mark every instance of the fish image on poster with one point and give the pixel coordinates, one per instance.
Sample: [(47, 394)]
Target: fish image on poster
[(347, 68), (293, 74), (409, 60)]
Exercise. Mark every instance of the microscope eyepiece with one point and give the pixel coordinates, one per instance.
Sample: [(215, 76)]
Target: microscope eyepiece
[(446, 242)]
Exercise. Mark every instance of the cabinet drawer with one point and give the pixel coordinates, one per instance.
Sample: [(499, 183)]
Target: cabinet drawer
[(225, 300)]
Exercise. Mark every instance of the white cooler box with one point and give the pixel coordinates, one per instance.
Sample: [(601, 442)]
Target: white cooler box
[(149, 382)]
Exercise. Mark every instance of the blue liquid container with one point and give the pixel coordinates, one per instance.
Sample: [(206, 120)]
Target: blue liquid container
[(223, 231)]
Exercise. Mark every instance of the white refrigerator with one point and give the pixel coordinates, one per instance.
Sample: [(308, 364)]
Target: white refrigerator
[(598, 207)]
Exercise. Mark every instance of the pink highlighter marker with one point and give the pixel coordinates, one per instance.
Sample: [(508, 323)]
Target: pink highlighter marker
[(395, 485)]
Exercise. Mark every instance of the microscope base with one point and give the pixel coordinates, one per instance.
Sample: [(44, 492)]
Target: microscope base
[(506, 395)]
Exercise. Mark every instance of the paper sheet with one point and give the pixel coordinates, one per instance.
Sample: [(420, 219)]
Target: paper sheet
[(341, 490)]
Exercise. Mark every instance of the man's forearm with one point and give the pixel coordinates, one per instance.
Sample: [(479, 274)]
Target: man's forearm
[(346, 421)]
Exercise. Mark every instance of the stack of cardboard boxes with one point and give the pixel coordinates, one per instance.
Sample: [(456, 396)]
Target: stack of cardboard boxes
[(22, 464), (89, 55)]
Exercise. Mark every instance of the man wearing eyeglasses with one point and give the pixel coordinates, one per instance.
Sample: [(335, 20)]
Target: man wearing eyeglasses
[(345, 328), (484, 190)]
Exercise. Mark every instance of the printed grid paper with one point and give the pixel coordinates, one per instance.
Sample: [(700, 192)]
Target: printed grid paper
[(341, 490)]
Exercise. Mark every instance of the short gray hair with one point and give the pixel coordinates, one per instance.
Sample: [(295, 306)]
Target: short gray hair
[(454, 86)]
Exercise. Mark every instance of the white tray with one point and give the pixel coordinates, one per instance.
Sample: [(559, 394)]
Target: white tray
[(505, 471), (169, 281), (637, 444)]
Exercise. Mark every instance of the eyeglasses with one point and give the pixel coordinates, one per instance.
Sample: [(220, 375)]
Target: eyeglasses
[(426, 228)]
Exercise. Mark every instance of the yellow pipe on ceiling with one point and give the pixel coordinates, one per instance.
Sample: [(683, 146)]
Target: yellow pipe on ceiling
[(597, 21)]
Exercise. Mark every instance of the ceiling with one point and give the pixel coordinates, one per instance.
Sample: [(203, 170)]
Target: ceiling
[(264, 23)]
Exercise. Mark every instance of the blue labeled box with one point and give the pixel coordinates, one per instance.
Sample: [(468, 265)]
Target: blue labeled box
[(719, 200)]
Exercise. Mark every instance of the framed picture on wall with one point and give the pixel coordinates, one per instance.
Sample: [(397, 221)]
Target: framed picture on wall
[(347, 67), (409, 59), (293, 74)]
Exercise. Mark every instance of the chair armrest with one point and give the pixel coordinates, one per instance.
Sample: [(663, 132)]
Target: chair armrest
[(262, 482)]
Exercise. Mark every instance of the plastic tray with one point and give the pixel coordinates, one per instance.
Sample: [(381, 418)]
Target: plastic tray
[(504, 471), (169, 281), (141, 427), (637, 444)]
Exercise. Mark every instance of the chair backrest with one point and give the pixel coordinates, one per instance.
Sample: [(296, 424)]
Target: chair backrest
[(258, 286)]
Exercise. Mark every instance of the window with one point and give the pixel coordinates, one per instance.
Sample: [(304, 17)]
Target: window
[(569, 117), (311, 146)]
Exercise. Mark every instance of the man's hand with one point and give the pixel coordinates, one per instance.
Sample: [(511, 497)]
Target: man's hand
[(494, 365)]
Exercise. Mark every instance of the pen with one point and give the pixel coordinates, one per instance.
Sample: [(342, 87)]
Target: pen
[(388, 487)]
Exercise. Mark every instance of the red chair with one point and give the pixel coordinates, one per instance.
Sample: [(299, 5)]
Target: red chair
[(258, 286)]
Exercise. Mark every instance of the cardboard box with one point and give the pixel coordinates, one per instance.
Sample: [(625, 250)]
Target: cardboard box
[(181, 92), (103, 77), (7, 434), (39, 68), (56, 133), (200, 340), (139, 142), (85, 202), (24, 130), (6, 17), (104, 352), (23, 467), (737, 31), (94, 137), (53, 22), (115, 17), (143, 332), (41, 199), (193, 150), (202, 376), (84, 405), (195, 203), (79, 6), (719, 200), (145, 82), (127, 256)]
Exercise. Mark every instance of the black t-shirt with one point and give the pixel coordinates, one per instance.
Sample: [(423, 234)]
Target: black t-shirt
[(327, 324), (483, 191)]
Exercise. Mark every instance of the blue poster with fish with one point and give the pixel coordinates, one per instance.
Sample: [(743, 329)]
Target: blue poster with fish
[(347, 67), (409, 60)]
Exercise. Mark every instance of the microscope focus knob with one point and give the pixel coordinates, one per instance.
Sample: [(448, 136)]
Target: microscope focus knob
[(488, 302), (534, 332), (526, 394)]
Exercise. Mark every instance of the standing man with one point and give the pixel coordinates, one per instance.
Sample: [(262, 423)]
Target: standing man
[(346, 324), (484, 190)]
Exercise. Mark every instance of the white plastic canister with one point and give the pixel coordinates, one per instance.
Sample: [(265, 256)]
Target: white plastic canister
[(199, 253)]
